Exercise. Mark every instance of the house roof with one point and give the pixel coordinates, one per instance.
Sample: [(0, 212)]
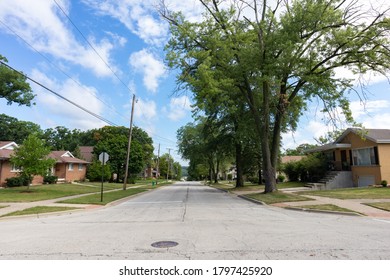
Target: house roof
[(5, 154), (59, 156), (6, 149), (286, 159), (86, 152), (380, 136), (7, 145), (65, 157)]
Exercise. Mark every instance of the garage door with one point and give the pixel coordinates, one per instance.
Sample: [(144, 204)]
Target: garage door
[(365, 181)]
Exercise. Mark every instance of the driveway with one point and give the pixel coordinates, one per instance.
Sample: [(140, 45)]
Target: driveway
[(203, 223)]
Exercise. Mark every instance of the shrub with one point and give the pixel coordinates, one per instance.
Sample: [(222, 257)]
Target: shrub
[(384, 183), (229, 177), (13, 182), (17, 181), (311, 168), (131, 179), (94, 172), (50, 179), (281, 178)]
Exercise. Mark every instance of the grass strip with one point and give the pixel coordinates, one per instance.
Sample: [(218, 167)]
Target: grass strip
[(39, 210), (277, 197), (107, 197), (326, 207), (380, 205), (43, 192), (353, 193)]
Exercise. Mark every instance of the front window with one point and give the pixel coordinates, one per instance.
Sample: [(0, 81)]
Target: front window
[(365, 157), (80, 166), (70, 166), (15, 168)]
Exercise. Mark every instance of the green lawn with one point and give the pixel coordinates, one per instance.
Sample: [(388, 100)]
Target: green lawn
[(43, 192), (254, 187), (40, 210), (326, 207), (116, 186), (3, 206), (353, 193), (380, 205), (276, 197), (107, 197)]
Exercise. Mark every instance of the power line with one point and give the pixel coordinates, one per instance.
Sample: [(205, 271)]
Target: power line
[(86, 89), (60, 96), (92, 47), (60, 70)]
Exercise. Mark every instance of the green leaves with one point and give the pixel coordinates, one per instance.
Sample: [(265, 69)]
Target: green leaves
[(13, 86), (32, 158)]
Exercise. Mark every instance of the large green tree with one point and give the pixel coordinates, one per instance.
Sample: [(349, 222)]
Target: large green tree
[(12, 129), (114, 140), (279, 58), (13, 86), (62, 138), (31, 157)]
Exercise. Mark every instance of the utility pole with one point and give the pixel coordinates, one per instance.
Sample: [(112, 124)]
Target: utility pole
[(129, 145), (158, 163), (169, 160)]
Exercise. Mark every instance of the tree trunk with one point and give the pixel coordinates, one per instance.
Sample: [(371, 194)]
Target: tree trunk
[(239, 179), (268, 168), (216, 173), (260, 174)]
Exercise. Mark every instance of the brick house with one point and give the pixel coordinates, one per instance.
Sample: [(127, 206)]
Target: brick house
[(358, 158), (67, 168)]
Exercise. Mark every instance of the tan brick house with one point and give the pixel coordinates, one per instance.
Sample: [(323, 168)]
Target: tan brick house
[(363, 156), (67, 167)]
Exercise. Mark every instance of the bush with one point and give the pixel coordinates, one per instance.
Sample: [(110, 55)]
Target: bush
[(131, 179), (94, 172), (14, 182), (311, 168), (229, 177), (384, 183), (50, 179), (17, 181), (281, 178)]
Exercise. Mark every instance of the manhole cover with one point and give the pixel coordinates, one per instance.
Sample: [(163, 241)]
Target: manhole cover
[(164, 244)]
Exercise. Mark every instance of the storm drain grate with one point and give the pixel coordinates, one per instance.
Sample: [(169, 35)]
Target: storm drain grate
[(164, 244)]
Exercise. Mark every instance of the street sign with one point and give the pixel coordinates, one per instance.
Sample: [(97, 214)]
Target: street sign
[(104, 157)]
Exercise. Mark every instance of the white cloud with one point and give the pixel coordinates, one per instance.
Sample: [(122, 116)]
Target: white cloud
[(43, 26), (152, 68), (178, 108), (364, 109), (54, 107), (140, 17), (145, 110)]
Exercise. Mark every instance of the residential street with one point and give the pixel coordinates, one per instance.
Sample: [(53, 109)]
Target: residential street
[(205, 222)]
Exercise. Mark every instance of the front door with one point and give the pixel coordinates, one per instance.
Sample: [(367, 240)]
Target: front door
[(344, 162)]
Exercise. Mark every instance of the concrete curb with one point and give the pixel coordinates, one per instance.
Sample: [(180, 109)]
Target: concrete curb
[(252, 200), (302, 209), (322, 211)]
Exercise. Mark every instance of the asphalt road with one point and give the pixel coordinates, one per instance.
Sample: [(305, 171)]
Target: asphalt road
[(205, 222)]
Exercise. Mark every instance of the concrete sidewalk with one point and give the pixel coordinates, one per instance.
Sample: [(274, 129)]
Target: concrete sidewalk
[(356, 205), (10, 207), (19, 206)]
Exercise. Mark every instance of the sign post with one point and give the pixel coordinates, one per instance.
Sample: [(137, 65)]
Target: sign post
[(103, 157)]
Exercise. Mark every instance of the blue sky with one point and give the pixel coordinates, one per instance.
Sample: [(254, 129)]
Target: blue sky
[(38, 39)]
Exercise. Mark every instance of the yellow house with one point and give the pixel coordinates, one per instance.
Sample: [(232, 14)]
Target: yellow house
[(360, 156)]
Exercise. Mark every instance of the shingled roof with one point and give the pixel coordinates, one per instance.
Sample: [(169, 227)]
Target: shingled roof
[(65, 157), (380, 136)]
